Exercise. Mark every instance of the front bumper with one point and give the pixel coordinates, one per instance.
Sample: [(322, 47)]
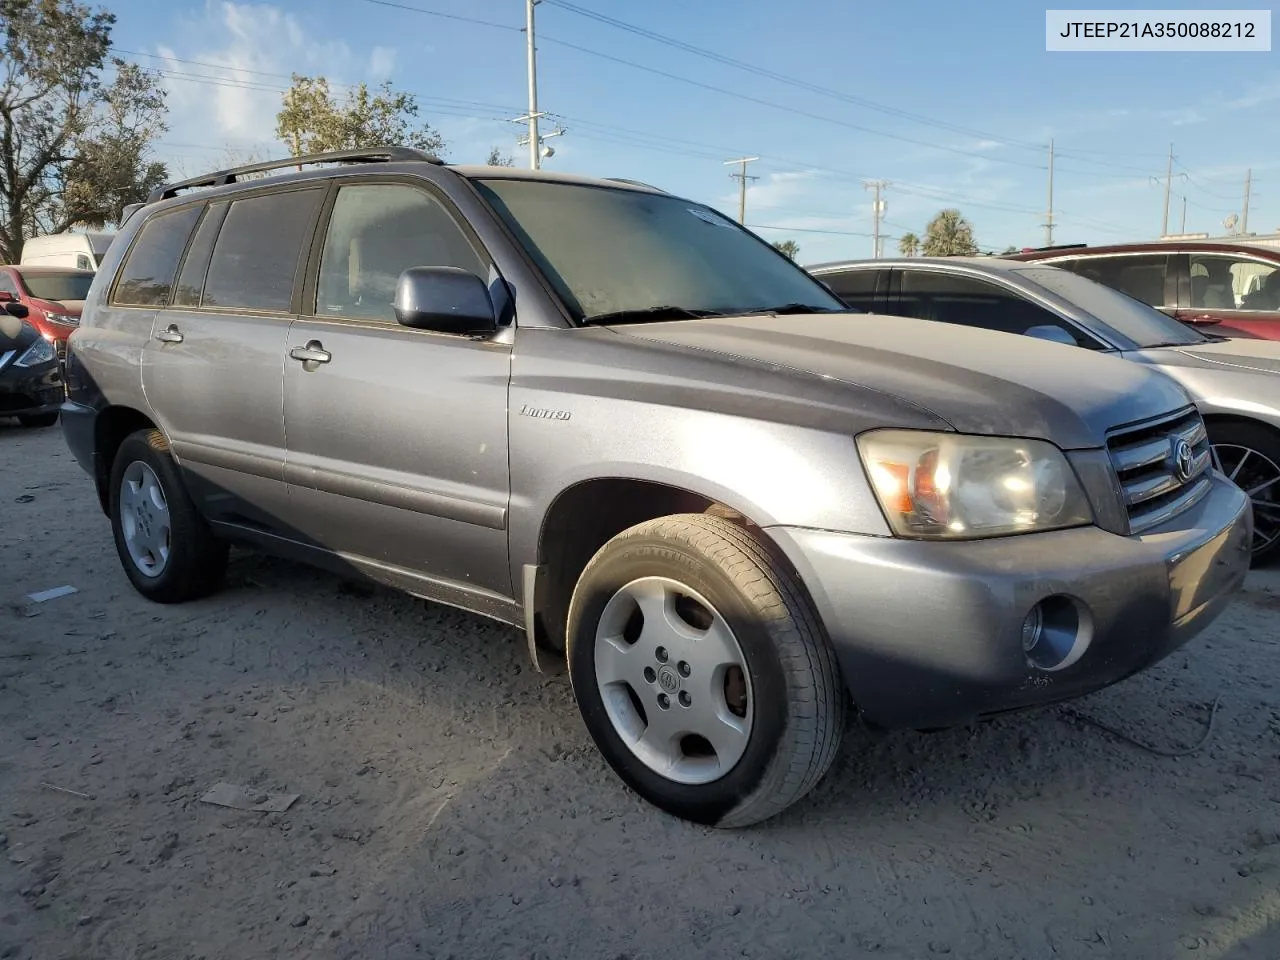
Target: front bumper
[(30, 390), (929, 634)]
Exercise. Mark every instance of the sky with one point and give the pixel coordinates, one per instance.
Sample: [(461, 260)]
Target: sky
[(952, 104)]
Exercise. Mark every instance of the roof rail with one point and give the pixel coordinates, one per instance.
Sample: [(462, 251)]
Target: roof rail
[(1059, 246), (635, 183), (363, 155)]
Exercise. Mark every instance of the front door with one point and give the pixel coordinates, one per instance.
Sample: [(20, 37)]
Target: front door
[(1239, 295), (214, 368), (397, 438)]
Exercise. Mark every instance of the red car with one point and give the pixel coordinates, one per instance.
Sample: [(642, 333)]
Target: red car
[(53, 297), (1200, 282)]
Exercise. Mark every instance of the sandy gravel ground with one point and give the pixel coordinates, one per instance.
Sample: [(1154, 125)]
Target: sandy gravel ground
[(451, 804)]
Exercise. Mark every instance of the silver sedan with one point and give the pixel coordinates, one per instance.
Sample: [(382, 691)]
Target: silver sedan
[(1235, 382)]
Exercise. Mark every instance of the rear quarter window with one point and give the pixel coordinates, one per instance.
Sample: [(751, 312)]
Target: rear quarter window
[(146, 276)]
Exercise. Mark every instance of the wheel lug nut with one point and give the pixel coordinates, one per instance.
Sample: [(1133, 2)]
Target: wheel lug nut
[(649, 675), (661, 654), (685, 700), (664, 701), (683, 668)]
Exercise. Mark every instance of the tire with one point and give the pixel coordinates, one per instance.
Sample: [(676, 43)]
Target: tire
[(1259, 469), (794, 700), (38, 420), (194, 560)]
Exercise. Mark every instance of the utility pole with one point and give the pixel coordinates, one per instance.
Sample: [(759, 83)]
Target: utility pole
[(1168, 180), (877, 211), (1183, 227), (1048, 220), (535, 143), (742, 178), (1244, 211)]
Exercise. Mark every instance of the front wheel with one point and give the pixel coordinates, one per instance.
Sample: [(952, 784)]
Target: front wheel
[(168, 552), (1249, 454), (702, 673)]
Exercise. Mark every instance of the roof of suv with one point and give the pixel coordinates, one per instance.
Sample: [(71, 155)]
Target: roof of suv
[(989, 264), (1152, 246)]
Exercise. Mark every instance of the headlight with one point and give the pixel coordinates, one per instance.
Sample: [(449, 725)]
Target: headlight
[(39, 352), (946, 486)]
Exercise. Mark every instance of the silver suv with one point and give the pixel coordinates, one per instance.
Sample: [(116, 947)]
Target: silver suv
[(617, 420)]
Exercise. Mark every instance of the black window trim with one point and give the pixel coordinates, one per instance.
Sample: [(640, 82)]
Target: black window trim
[(133, 243), (1035, 297), (311, 282)]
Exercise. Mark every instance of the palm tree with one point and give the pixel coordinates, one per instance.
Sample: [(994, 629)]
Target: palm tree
[(949, 235), (909, 245)]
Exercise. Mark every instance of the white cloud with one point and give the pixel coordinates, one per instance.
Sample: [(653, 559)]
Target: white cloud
[(238, 59)]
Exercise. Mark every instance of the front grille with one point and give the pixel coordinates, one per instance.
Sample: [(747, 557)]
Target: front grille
[(1155, 486)]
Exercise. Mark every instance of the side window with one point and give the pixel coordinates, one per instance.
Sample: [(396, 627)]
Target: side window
[(191, 279), (378, 231), (857, 288), (1141, 277), (255, 257), (146, 275), (975, 303), (82, 262), (1223, 282)]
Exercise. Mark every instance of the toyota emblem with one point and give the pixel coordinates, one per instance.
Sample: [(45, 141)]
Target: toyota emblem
[(1184, 460)]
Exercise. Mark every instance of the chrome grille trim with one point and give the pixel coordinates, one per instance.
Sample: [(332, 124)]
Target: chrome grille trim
[(1144, 458)]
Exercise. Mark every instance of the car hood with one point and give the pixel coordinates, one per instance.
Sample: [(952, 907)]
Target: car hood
[(1257, 356), (979, 381)]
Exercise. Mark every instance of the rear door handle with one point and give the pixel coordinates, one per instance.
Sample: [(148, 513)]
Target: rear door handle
[(170, 335), (313, 352)]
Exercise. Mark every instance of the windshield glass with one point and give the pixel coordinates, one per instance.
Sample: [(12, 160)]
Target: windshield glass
[(610, 251), (58, 286), (1144, 325)]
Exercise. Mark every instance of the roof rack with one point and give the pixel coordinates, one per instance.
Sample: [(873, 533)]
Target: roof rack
[(363, 155)]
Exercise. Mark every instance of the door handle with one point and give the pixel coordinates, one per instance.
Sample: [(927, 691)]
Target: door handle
[(313, 352), (170, 335)]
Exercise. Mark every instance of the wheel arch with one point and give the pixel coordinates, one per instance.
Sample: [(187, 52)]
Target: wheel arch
[(110, 428)]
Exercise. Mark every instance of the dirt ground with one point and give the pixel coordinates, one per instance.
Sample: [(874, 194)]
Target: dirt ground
[(451, 803)]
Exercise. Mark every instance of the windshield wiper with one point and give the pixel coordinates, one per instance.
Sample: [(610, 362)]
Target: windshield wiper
[(649, 315), (786, 308)]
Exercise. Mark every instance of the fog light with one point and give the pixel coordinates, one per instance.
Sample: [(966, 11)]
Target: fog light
[(1056, 633)]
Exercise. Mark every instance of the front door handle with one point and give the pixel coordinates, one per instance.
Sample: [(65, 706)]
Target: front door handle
[(170, 335), (313, 352)]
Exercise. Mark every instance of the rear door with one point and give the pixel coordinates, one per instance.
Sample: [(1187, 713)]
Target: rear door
[(397, 448), (214, 369)]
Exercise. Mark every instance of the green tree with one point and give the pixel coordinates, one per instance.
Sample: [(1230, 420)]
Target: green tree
[(788, 247), (498, 159), (74, 148), (313, 120), (949, 235), (1008, 250), (909, 245)]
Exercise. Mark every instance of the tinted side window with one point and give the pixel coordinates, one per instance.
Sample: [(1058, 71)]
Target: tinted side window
[(1222, 282), (1141, 277), (378, 231), (255, 257), (975, 303), (191, 279), (146, 275), (857, 288)]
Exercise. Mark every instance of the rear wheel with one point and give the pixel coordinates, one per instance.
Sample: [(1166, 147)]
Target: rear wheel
[(1249, 454), (168, 552), (702, 673), (38, 419)]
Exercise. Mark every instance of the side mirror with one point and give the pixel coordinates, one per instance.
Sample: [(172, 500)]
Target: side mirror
[(444, 299), (15, 309), (1050, 332)]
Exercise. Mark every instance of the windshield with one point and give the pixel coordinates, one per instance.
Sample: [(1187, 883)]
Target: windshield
[(58, 286), (617, 252), (1144, 325)]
